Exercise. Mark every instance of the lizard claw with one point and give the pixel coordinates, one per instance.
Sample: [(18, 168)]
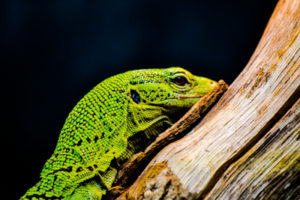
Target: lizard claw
[(116, 191)]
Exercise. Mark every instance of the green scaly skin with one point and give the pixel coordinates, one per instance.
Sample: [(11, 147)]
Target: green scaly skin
[(116, 119)]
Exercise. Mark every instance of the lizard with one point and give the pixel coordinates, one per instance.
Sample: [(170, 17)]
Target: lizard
[(112, 122)]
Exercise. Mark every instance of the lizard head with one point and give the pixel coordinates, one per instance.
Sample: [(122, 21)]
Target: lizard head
[(164, 94)]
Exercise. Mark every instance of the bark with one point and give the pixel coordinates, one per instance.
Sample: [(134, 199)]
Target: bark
[(248, 144)]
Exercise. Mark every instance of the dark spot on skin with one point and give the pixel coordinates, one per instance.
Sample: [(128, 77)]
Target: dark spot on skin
[(68, 169), (114, 114), (79, 169), (102, 135), (104, 123), (95, 166), (79, 142), (109, 137), (140, 121), (144, 101), (55, 178), (107, 151), (110, 129), (135, 96), (118, 100), (121, 91), (88, 140), (43, 196), (90, 168), (96, 139), (141, 82)]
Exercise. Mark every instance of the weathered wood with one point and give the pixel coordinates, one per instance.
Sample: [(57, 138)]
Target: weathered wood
[(235, 151), (270, 169)]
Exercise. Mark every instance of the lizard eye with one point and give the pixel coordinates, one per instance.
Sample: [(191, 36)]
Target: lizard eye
[(180, 80)]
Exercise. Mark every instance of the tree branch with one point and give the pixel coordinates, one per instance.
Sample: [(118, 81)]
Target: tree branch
[(248, 145)]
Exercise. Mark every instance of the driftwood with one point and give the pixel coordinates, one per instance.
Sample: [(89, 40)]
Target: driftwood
[(248, 144)]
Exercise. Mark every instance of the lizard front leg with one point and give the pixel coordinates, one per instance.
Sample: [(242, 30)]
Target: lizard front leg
[(91, 190)]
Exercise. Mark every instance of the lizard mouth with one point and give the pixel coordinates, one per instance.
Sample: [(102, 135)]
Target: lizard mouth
[(189, 96)]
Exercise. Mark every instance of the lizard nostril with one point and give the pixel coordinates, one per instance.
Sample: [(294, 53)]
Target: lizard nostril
[(212, 83)]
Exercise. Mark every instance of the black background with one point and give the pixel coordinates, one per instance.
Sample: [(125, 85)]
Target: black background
[(54, 52)]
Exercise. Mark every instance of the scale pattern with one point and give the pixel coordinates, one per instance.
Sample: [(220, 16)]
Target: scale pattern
[(116, 119)]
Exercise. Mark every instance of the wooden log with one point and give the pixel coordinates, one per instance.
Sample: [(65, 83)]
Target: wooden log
[(248, 145), (270, 169)]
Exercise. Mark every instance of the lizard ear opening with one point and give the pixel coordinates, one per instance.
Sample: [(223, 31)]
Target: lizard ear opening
[(135, 96)]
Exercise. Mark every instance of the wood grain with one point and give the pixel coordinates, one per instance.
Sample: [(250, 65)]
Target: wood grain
[(270, 169), (211, 161)]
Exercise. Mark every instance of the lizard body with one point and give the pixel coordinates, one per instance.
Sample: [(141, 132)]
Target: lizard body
[(116, 119)]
